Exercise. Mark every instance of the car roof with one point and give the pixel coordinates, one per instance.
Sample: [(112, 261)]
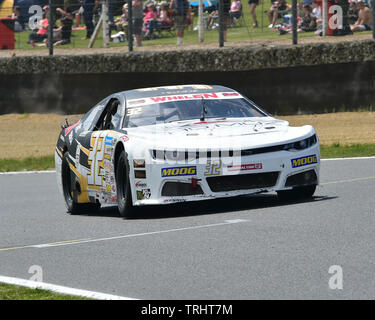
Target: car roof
[(172, 90)]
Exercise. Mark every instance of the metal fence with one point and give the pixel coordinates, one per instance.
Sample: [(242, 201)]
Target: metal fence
[(46, 24)]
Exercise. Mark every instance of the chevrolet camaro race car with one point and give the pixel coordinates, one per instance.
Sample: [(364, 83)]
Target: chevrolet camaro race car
[(181, 143)]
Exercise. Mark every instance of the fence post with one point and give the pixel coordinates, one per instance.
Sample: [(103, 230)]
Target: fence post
[(105, 24), (50, 28), (294, 20), (200, 21), (325, 17), (130, 25), (221, 23)]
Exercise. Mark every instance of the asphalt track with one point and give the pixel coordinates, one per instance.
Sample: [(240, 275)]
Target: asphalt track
[(246, 248)]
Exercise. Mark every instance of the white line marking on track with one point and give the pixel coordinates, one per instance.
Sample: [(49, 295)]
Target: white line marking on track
[(11, 173), (67, 243), (61, 289), (348, 180), (353, 158), (88, 240)]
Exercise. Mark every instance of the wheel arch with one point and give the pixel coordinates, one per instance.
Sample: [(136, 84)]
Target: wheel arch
[(118, 149)]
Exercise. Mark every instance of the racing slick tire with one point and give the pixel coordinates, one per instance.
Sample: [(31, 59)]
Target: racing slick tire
[(303, 192), (124, 199), (68, 191)]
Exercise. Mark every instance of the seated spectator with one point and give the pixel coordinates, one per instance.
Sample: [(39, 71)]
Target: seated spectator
[(40, 33), (306, 23), (365, 19), (353, 12), (308, 20), (65, 29), (316, 12), (150, 15), (122, 21), (211, 18), (277, 10), (156, 21), (235, 10)]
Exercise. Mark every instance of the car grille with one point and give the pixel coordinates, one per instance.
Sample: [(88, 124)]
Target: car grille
[(243, 181)]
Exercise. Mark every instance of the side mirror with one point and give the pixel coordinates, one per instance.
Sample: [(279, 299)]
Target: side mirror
[(66, 125)]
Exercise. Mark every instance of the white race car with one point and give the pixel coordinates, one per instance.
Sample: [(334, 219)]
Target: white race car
[(182, 143)]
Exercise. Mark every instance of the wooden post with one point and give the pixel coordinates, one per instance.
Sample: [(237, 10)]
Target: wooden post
[(200, 22), (105, 24), (325, 17)]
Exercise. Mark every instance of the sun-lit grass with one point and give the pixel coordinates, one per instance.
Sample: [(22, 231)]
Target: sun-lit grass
[(11, 292), (28, 164), (344, 151)]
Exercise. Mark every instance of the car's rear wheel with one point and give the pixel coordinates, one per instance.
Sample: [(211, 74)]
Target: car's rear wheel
[(124, 199), (69, 185), (303, 192)]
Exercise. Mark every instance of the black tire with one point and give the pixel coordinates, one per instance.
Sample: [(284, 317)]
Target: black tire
[(124, 199), (68, 185), (304, 192)]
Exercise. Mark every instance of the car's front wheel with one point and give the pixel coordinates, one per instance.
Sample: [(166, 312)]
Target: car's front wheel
[(124, 199), (68, 185), (303, 192)]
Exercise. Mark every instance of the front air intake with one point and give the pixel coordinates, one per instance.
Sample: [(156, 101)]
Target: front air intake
[(175, 189), (243, 181), (302, 179)]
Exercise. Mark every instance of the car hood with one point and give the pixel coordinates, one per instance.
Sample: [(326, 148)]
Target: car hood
[(219, 133)]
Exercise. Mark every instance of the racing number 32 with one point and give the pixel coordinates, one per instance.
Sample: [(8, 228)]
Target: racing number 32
[(95, 160), (213, 168)]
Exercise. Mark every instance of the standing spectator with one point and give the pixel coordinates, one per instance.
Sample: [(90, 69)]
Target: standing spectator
[(226, 18), (89, 7), (365, 19), (180, 9), (253, 4), (137, 6), (15, 15), (189, 19)]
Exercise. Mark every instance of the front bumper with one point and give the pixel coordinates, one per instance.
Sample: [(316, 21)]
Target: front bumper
[(220, 177)]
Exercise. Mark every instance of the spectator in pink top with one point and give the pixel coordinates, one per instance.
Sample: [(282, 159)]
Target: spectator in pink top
[(41, 33), (235, 9)]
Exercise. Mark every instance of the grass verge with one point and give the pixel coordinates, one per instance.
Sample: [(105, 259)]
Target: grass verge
[(354, 150), (28, 164), (48, 163), (11, 292)]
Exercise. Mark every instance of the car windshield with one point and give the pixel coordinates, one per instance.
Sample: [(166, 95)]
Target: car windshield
[(172, 111)]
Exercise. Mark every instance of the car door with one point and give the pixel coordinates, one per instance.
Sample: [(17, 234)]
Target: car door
[(96, 151)]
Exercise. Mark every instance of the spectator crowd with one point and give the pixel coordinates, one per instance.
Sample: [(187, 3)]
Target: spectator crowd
[(150, 19)]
